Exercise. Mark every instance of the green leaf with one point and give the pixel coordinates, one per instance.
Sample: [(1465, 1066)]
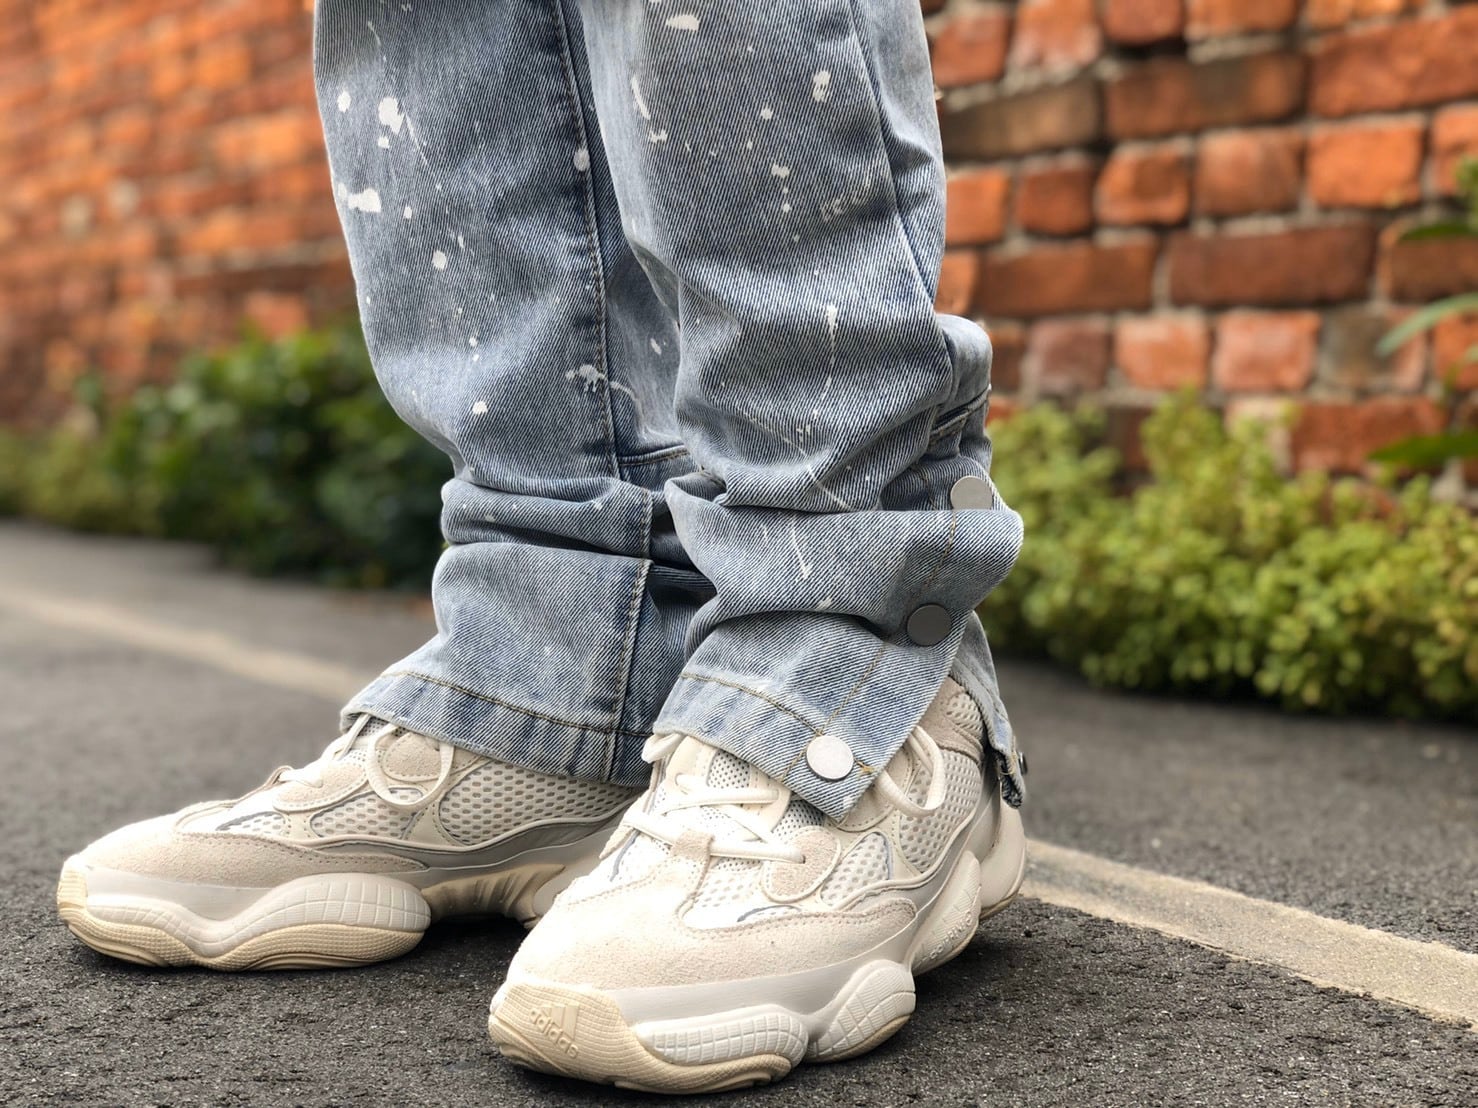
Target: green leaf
[(1423, 451), (1425, 319), (1442, 229)]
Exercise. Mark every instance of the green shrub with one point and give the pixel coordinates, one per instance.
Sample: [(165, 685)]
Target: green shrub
[(283, 455), (1219, 575)]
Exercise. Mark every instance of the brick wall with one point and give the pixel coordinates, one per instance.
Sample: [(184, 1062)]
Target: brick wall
[(164, 179), (1144, 195), (1153, 194)]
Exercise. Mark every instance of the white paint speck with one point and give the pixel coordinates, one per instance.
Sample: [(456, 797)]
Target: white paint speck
[(471, 340), (781, 171), (366, 201), (409, 211), (582, 160), (588, 374), (461, 245), (785, 207), (383, 142), (767, 112), (685, 22), (655, 345), (657, 136), (825, 604), (391, 115), (480, 408), (438, 260), (821, 86), (641, 105), (345, 100)]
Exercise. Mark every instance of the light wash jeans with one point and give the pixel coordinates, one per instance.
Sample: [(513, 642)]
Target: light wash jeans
[(658, 276)]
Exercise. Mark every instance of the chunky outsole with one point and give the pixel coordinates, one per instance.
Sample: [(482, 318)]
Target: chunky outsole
[(314, 922), (583, 1033)]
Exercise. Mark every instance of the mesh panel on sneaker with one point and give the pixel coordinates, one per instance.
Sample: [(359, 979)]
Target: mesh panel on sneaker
[(727, 771), (365, 814), (728, 881), (964, 713), (263, 823), (798, 816), (868, 862), (922, 838), (494, 798)]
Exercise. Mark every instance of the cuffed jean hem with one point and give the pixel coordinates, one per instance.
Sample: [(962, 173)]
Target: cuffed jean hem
[(765, 722), (507, 732)]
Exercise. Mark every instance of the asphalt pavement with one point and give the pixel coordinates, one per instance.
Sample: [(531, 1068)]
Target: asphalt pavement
[(1370, 822)]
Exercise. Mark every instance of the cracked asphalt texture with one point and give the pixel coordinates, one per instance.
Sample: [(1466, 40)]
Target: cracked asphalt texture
[(1367, 821)]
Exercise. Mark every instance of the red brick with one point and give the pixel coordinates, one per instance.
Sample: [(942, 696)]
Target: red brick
[(1055, 34), (1341, 437), (1056, 198), (1122, 426), (1349, 359), (1455, 351), (1323, 14), (971, 47), (1211, 18), (1008, 346), (1072, 277), (1162, 352), (1366, 165), (275, 314), (1265, 351), (975, 207), (1241, 172), (959, 273), (1140, 185), (1000, 410), (1403, 65), (1141, 22), (1067, 356), (1313, 265), (1048, 118), (1414, 272), (1454, 138), (1171, 95)]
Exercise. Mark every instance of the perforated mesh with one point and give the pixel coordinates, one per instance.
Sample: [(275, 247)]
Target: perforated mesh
[(798, 816), (964, 713), (728, 881), (727, 771), (263, 823), (365, 814), (495, 798), (868, 862), (921, 839)]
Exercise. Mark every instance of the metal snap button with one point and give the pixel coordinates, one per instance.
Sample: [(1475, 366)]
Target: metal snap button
[(972, 492), (829, 757), (929, 624)]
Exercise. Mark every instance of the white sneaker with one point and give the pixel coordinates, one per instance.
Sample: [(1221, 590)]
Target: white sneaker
[(343, 862), (732, 931)]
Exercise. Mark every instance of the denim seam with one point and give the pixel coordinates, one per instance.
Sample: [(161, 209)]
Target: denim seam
[(652, 457), (687, 675), (454, 687), (633, 622), (592, 234), (864, 46)]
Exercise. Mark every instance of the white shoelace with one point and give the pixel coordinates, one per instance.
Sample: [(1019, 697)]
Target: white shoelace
[(751, 838), (382, 785)]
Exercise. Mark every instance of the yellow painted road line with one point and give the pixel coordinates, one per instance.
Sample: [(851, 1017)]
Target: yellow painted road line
[(1432, 978), (287, 670)]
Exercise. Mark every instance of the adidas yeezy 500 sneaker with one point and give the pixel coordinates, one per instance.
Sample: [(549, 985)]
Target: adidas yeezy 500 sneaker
[(343, 862), (732, 931)]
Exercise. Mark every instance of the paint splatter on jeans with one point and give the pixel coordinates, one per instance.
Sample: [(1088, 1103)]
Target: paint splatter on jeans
[(658, 276)]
